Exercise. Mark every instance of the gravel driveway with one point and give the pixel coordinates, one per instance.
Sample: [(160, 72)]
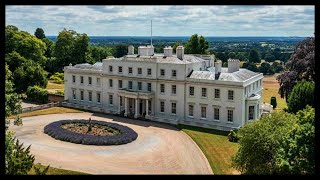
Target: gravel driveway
[(159, 148)]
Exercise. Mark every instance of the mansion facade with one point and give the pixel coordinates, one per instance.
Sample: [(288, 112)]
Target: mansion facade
[(172, 88)]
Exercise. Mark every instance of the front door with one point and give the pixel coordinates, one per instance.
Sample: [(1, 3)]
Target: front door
[(140, 108)]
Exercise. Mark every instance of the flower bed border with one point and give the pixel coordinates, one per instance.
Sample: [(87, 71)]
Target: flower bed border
[(55, 130)]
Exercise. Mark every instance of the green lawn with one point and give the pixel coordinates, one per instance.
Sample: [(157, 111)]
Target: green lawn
[(52, 110), (56, 171), (215, 146), (52, 85)]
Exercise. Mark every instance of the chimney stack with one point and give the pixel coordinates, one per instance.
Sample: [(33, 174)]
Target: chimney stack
[(130, 50), (167, 51), (217, 68), (233, 65), (180, 52)]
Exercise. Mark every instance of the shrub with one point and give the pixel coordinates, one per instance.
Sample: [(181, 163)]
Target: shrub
[(55, 130), (60, 92), (273, 102), (57, 78), (38, 94), (233, 136), (301, 95), (18, 121)]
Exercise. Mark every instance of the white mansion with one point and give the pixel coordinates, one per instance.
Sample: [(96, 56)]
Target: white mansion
[(172, 88)]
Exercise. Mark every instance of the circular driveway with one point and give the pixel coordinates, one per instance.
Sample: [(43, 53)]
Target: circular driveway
[(159, 148)]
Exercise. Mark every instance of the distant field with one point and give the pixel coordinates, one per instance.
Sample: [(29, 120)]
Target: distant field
[(271, 88)]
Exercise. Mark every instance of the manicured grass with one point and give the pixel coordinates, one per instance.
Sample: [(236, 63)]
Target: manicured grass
[(215, 146), (56, 171), (52, 85), (53, 110), (271, 88)]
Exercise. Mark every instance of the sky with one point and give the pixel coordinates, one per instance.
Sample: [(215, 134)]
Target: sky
[(166, 20)]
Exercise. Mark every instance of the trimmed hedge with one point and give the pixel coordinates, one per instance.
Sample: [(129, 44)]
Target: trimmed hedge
[(37, 94), (55, 130)]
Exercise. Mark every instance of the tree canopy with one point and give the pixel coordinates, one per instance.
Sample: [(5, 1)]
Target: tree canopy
[(197, 45), (120, 50), (301, 95), (254, 56), (12, 99), (39, 33)]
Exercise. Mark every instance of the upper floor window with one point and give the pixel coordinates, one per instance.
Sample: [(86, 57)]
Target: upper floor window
[(139, 71), (120, 84), (81, 79), (130, 84), (149, 71), (149, 87), (216, 114), (174, 89), (98, 82), (191, 91), (73, 78), (230, 95), (173, 108), (90, 95), (230, 115), (81, 95), (90, 80), (110, 69), (251, 112), (174, 73), (204, 92), (216, 93), (139, 86), (162, 72), (203, 112), (110, 83), (191, 110), (162, 88), (130, 70), (120, 69), (161, 106)]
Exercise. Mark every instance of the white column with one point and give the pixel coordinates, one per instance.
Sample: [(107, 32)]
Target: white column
[(147, 107), (119, 107), (125, 106), (136, 108)]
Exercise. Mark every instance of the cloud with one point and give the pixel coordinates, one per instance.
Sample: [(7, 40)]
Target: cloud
[(167, 20)]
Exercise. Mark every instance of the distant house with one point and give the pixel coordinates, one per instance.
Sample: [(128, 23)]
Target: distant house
[(172, 88)]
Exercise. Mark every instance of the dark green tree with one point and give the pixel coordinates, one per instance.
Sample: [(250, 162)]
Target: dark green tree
[(270, 58), (192, 46), (250, 66), (39, 33), (265, 68), (254, 56), (203, 45), (277, 53), (222, 56), (14, 60), (50, 47), (301, 95), (277, 67), (175, 46), (120, 50), (232, 55)]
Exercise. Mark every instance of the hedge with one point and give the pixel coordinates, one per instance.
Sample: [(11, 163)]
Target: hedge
[(55, 130), (57, 77), (37, 94)]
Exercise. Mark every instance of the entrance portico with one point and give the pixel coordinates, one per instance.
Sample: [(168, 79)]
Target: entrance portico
[(136, 103)]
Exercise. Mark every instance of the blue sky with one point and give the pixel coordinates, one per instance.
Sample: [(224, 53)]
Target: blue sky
[(167, 20)]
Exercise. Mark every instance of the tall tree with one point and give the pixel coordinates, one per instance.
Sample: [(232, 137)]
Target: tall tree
[(12, 99), (120, 50), (300, 66), (39, 33), (301, 95), (192, 46), (203, 45), (265, 68), (254, 56)]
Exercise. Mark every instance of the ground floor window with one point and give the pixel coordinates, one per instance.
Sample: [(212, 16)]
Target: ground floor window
[(110, 99), (230, 115), (191, 110), (81, 95), (203, 112), (98, 97), (90, 96), (120, 101), (251, 112), (173, 108), (74, 95), (216, 114), (161, 106)]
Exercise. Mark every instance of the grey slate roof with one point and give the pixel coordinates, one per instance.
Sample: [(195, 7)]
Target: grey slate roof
[(96, 66), (159, 58)]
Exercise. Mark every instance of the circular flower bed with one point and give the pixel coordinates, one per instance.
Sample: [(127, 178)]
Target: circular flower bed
[(106, 133)]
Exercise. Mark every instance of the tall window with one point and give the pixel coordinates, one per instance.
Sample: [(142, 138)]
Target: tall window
[(74, 95), (174, 73), (81, 79), (139, 70), (203, 112), (110, 82), (149, 87), (230, 115), (81, 95), (161, 106), (130, 84), (204, 92), (162, 88), (216, 114), (173, 108), (90, 96), (98, 82), (119, 84), (73, 78), (130, 70), (230, 95), (217, 93), (191, 91), (174, 89), (98, 97), (139, 86), (110, 69), (110, 99), (251, 112), (149, 71), (162, 72), (191, 110), (120, 101), (120, 69), (90, 80)]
